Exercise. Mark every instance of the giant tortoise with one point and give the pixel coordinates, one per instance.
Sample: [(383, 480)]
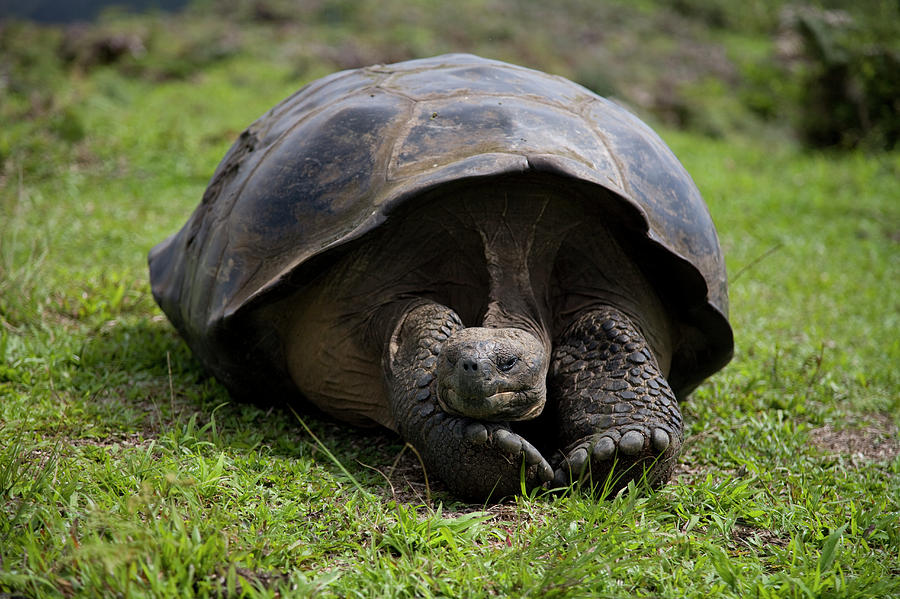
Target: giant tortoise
[(510, 271)]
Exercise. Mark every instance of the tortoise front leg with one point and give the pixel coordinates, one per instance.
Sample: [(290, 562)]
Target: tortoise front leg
[(616, 414), (478, 460)]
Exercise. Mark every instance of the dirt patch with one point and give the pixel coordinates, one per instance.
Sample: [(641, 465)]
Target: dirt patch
[(757, 537), (405, 479), (874, 440), (687, 473)]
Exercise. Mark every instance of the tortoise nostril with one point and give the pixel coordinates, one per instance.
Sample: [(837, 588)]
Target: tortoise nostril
[(469, 365)]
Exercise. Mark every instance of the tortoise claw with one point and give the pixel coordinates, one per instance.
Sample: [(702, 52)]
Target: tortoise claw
[(476, 433), (603, 449), (631, 443), (660, 440)]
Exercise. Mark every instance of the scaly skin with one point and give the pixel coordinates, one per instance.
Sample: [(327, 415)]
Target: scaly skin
[(478, 460), (616, 414)]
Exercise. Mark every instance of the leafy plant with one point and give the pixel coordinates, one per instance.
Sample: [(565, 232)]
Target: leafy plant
[(850, 91)]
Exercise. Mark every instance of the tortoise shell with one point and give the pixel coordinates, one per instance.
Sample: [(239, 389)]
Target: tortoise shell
[(332, 163)]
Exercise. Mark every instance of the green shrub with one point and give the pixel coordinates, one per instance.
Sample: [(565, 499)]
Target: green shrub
[(850, 88)]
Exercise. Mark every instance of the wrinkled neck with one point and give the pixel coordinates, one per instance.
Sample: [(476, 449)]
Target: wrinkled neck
[(518, 259)]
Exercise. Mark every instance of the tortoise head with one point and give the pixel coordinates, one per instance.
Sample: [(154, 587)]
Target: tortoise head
[(492, 374)]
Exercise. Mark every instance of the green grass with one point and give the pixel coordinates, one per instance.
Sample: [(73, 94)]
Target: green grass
[(126, 471)]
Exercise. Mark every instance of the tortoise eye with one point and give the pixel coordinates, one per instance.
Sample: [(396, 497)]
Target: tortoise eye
[(451, 353), (506, 363)]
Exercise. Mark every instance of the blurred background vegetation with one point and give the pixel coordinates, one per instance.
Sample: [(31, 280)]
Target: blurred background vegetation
[(821, 74)]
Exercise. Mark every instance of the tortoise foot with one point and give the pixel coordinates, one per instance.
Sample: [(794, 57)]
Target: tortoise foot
[(501, 455), (618, 418), (477, 459), (608, 461), (507, 442)]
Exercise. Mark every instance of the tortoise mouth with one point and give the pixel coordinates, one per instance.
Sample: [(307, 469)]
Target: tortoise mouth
[(521, 404)]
